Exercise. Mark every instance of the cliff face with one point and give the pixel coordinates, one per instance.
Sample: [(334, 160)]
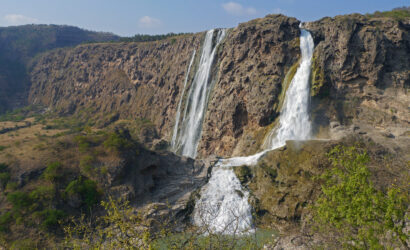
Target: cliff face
[(360, 77), (144, 80), (122, 80), (253, 63), (20, 44)]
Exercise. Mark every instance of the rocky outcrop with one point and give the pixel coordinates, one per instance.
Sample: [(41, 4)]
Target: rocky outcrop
[(284, 185), (361, 77), (161, 178)]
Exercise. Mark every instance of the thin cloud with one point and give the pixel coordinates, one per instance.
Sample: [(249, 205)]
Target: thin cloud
[(148, 22), (238, 10), (16, 19), (278, 11)]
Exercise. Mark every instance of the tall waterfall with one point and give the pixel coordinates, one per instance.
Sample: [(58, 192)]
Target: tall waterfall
[(223, 206), (178, 115), (190, 132), (294, 123)]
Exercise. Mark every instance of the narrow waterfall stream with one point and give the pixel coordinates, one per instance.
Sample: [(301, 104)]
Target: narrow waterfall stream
[(223, 206), (187, 138), (178, 115)]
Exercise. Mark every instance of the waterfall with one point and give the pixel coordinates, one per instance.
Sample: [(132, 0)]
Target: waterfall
[(294, 122), (223, 206), (178, 115), (197, 98)]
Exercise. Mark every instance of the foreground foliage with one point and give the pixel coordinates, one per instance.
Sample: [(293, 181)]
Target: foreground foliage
[(352, 209), (121, 227)]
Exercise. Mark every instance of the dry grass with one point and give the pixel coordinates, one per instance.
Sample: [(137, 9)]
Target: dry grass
[(28, 145)]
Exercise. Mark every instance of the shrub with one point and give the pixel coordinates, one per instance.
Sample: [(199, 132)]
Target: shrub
[(50, 218), (4, 175), (127, 230), (3, 167), (351, 207), (24, 244), (42, 193), (20, 200), (11, 186), (83, 143), (87, 189), (118, 140), (53, 171), (86, 164), (5, 220), (4, 179)]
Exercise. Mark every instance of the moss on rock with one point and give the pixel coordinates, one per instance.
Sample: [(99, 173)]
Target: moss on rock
[(317, 78), (285, 85)]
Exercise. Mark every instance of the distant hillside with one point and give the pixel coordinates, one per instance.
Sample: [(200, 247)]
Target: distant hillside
[(23, 42), (19, 44)]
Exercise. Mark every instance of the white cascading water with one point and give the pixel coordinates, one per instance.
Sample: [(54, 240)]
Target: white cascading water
[(178, 115), (197, 98), (294, 123), (223, 206)]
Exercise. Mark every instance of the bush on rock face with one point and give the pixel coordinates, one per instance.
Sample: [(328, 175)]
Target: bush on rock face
[(50, 218), (353, 209), (53, 171), (4, 175), (118, 140), (86, 189)]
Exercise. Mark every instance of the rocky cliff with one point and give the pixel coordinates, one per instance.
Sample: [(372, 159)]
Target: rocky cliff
[(20, 44), (253, 63), (122, 80), (360, 78)]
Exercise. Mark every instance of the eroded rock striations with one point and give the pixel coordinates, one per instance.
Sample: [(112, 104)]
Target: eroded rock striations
[(360, 78), (122, 80)]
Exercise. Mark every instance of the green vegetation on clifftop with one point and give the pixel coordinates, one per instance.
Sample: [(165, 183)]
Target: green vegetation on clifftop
[(398, 13)]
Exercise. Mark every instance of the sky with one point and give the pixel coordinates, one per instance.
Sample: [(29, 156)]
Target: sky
[(130, 17)]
